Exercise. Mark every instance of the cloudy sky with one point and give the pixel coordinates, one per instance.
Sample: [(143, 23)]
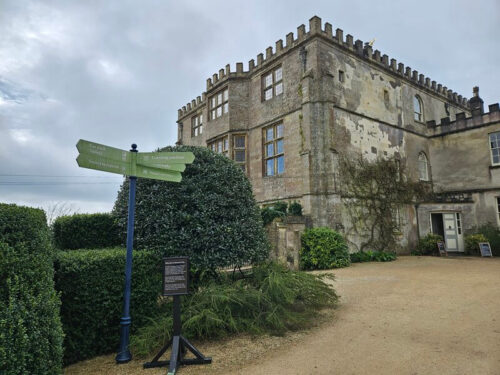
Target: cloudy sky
[(115, 72)]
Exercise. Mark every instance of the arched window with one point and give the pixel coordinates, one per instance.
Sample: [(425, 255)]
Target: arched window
[(423, 167), (418, 108)]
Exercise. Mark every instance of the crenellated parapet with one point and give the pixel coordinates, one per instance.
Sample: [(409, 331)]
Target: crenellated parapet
[(462, 122), (357, 48)]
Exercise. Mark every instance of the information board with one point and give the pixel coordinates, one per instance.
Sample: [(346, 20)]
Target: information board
[(442, 248), (485, 249), (175, 276)]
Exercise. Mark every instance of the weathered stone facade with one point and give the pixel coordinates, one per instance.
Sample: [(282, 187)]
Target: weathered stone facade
[(339, 97)]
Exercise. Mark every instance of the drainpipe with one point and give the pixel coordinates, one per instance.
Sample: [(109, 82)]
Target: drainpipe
[(418, 224)]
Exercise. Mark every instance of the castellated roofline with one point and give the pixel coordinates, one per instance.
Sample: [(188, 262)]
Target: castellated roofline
[(358, 48), (462, 122)]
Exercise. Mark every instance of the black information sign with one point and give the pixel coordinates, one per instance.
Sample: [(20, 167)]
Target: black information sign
[(175, 276), (442, 248), (485, 249)]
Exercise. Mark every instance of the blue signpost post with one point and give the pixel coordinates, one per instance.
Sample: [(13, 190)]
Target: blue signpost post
[(165, 166), (124, 354)]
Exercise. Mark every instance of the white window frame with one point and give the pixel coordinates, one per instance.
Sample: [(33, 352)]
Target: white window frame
[(423, 161), (494, 145), (272, 83), (418, 115), (219, 104)]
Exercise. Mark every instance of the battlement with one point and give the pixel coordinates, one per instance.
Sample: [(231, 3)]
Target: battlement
[(358, 48), (463, 123)]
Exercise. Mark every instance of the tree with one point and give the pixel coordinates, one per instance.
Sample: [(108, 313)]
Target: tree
[(211, 216)]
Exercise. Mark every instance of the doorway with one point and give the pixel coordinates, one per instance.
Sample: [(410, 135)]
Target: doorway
[(449, 226)]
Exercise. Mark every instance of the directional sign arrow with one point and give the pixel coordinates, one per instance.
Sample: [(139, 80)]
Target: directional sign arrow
[(91, 148), (103, 164), (146, 158), (170, 166), (158, 174)]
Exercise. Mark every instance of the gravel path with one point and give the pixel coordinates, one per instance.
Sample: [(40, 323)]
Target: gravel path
[(418, 315)]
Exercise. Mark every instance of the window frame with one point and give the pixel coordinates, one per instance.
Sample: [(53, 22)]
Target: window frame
[(242, 164), (273, 84), (419, 161), (497, 136), (197, 129), (341, 76), (276, 155), (420, 115), (223, 141), (214, 104)]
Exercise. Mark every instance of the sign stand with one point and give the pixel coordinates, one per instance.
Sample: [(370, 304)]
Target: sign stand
[(485, 249), (442, 249), (175, 283)]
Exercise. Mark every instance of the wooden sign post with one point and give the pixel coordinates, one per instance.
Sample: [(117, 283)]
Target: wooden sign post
[(176, 284)]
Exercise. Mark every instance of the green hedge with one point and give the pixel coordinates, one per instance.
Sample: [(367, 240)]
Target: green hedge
[(323, 248), (492, 234), (30, 328), (91, 286), (472, 243), (85, 231), (428, 245), (372, 256)]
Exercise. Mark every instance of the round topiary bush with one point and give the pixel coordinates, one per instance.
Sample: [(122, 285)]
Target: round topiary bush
[(210, 216), (323, 248)]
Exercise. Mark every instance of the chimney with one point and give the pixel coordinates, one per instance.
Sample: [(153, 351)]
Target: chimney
[(476, 103)]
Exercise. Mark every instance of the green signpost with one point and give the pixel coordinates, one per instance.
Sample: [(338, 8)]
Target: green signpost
[(165, 166)]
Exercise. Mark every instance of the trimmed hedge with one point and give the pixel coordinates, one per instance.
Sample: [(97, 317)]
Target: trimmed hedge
[(211, 216), (85, 231), (30, 328), (372, 256), (323, 248), (91, 286)]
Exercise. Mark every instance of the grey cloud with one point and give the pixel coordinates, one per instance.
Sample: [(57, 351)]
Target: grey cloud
[(116, 72)]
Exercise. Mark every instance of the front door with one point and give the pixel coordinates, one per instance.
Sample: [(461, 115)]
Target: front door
[(449, 226)]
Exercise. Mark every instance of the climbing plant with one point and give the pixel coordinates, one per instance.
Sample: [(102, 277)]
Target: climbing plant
[(373, 192)]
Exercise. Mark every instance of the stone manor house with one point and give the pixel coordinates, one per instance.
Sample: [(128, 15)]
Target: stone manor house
[(288, 117)]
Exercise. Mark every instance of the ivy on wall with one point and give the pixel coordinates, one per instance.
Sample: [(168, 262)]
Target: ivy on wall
[(373, 192)]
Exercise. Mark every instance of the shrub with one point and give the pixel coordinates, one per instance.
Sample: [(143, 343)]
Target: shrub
[(269, 214), (428, 245), (272, 299), (211, 216), (492, 234), (471, 243), (85, 231), (30, 328), (372, 256), (295, 209), (323, 248), (91, 286), (281, 207)]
